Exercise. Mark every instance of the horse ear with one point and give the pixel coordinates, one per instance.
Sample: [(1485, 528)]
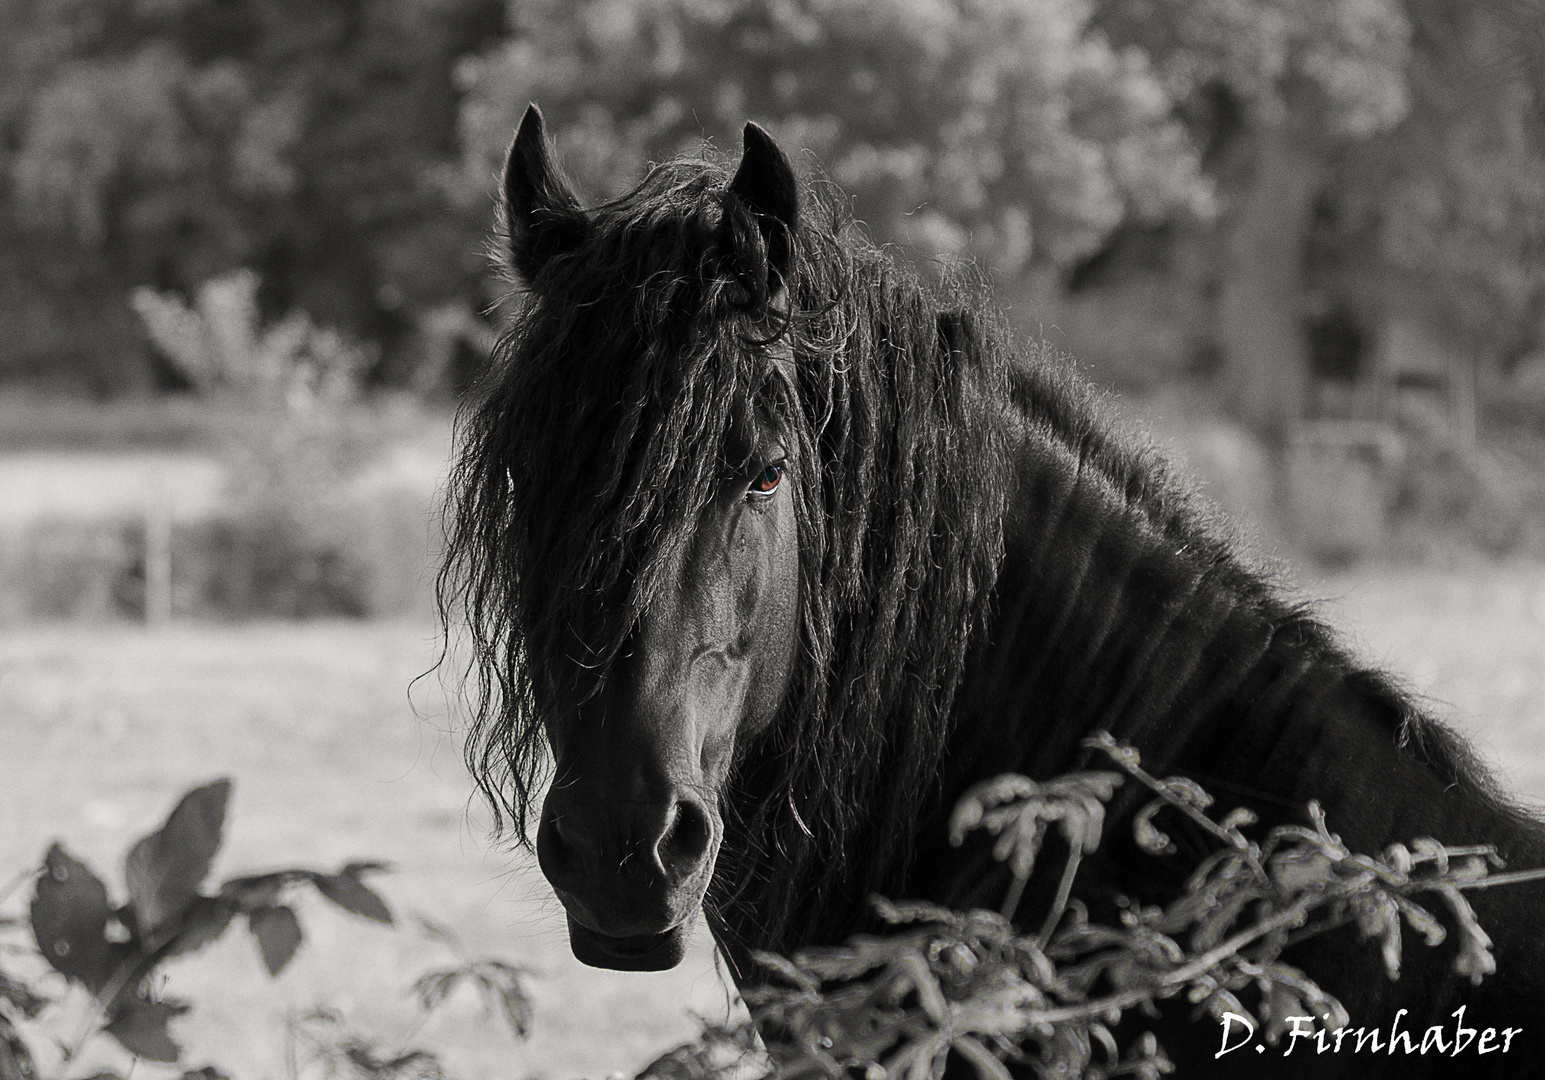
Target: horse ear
[(765, 185), (542, 218)]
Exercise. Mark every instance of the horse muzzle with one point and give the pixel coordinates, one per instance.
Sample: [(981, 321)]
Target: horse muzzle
[(630, 876)]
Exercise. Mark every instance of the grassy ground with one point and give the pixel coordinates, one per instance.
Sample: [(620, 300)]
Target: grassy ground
[(104, 727)]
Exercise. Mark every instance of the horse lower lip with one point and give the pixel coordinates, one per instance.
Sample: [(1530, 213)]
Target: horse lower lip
[(642, 952)]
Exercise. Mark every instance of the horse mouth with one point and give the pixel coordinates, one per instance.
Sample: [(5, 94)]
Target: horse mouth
[(641, 952)]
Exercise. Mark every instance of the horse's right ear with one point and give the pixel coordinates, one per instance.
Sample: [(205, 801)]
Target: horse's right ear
[(541, 217)]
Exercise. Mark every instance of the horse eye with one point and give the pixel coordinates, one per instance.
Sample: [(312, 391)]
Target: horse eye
[(766, 481)]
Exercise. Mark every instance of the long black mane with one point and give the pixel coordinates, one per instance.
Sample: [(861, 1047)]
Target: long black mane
[(636, 369)]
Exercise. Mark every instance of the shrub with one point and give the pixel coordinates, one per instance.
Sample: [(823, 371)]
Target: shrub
[(218, 343), (113, 952), (973, 984), (58, 570)]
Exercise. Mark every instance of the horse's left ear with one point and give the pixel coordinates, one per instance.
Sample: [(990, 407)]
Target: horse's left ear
[(764, 183)]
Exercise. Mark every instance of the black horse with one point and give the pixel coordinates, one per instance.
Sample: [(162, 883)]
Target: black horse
[(776, 549)]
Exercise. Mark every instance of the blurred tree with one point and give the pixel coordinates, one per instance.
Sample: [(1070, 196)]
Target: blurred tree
[(1369, 154), (1443, 218), (1004, 129), (167, 142), (1275, 88)]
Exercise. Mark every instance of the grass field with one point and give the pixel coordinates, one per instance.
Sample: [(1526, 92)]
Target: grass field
[(103, 727)]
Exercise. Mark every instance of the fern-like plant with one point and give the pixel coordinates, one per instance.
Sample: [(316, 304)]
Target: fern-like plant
[(974, 984)]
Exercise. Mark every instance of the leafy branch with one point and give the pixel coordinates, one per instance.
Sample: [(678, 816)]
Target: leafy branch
[(113, 951), (499, 983), (971, 983), (324, 1038)]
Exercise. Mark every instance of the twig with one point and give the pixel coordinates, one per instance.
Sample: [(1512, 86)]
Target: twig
[(1512, 877), (18, 881), (1060, 904), (1091, 1010), (1123, 756), (1011, 898), (102, 1000)]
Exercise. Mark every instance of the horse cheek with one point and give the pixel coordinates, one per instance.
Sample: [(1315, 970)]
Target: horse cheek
[(770, 618)]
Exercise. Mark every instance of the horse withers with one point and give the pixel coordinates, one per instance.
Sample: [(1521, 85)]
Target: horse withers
[(770, 550)]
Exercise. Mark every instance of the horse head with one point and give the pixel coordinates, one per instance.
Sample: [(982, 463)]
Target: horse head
[(658, 553)]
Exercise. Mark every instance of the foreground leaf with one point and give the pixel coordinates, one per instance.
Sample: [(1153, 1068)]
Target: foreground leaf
[(165, 869), (278, 935), (204, 921), (140, 1027), (351, 894), (69, 920)]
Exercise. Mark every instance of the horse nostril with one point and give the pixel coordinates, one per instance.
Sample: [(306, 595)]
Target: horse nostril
[(561, 840), (684, 844), (563, 845)]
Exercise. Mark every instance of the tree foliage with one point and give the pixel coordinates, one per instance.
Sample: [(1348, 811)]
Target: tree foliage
[(168, 143), (1445, 213), (1010, 130), (1331, 67), (345, 152)]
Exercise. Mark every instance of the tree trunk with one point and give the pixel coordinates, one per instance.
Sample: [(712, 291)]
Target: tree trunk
[(1261, 300)]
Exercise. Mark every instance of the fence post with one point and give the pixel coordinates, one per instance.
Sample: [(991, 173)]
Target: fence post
[(158, 554)]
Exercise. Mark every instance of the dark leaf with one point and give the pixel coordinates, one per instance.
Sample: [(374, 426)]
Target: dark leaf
[(165, 869), (278, 935), (140, 1026), (204, 921), (208, 1072), (350, 894), (22, 996), (516, 1007), (258, 891), (501, 984), (357, 870), (432, 929), (69, 920)]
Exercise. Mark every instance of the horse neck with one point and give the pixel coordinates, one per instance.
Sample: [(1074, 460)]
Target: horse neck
[(1112, 615)]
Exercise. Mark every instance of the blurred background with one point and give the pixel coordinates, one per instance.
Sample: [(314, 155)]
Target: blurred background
[(244, 281)]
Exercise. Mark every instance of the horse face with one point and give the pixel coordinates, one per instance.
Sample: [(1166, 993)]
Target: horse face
[(631, 826)]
